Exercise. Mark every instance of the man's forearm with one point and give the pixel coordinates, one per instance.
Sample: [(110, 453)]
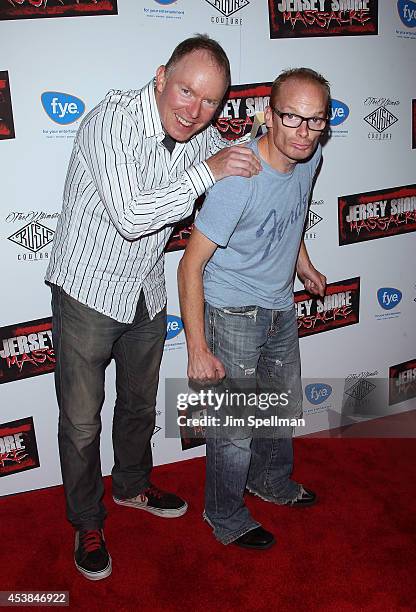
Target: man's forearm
[(191, 301), (313, 280), (303, 261)]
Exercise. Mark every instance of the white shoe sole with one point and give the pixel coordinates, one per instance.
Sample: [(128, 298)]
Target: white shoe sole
[(163, 512), (96, 575)]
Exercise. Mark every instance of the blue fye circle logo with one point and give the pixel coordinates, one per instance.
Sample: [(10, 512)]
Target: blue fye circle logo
[(388, 297), (61, 107), (318, 393), (165, 1), (174, 326), (407, 12), (339, 112)]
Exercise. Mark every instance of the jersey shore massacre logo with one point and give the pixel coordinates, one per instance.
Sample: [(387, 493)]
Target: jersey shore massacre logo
[(241, 116), (36, 9), (18, 448), (376, 214), (402, 379), (307, 18), (6, 113), (26, 350), (338, 308)]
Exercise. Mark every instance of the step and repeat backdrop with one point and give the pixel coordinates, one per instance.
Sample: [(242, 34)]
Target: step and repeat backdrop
[(60, 57)]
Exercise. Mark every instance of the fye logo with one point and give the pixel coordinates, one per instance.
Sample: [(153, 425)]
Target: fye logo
[(407, 12), (339, 112), (61, 107), (388, 297), (317, 393), (174, 326)]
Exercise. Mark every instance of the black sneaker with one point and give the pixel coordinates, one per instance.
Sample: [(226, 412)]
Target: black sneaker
[(256, 539), (157, 502), (91, 555)]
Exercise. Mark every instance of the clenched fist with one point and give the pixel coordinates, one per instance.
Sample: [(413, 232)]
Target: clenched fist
[(204, 367)]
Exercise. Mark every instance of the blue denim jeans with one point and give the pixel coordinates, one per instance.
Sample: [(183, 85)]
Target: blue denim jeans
[(259, 349), (85, 341)]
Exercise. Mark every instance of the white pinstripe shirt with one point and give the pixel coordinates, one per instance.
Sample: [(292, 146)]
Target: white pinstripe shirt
[(123, 192)]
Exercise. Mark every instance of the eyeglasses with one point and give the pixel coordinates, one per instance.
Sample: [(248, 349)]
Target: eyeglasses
[(316, 124)]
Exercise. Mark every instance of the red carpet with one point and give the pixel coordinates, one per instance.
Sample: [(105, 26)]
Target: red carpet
[(354, 550)]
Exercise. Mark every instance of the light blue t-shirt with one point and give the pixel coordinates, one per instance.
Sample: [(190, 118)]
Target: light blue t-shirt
[(257, 224)]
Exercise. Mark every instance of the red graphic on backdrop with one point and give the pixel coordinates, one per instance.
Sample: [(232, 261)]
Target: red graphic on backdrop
[(192, 435), (181, 234), (340, 307), (235, 121), (296, 19), (238, 113), (6, 113), (377, 214), (37, 9), (18, 448), (26, 350), (413, 124), (402, 378)]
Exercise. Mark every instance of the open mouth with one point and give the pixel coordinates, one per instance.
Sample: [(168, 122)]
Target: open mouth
[(183, 121)]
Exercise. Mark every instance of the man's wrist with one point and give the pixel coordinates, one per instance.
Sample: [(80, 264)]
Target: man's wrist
[(200, 178), (197, 346)]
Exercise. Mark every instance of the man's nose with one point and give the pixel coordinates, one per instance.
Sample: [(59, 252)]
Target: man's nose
[(194, 108), (303, 129)]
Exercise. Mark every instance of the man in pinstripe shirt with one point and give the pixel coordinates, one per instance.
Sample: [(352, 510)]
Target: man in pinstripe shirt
[(140, 160)]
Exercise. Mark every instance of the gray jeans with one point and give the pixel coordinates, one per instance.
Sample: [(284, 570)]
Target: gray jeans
[(85, 341)]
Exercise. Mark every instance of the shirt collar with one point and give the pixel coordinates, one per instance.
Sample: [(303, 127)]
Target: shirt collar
[(152, 123)]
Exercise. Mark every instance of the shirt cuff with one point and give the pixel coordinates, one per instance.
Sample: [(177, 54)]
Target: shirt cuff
[(200, 178)]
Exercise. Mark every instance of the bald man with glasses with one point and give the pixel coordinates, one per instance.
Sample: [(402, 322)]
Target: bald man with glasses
[(241, 260)]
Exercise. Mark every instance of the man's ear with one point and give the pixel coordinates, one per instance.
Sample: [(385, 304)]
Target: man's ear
[(160, 78), (268, 117)]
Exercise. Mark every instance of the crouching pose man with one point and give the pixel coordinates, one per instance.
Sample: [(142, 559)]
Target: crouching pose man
[(241, 260)]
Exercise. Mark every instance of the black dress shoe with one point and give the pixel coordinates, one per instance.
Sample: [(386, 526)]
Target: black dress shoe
[(306, 497), (258, 539)]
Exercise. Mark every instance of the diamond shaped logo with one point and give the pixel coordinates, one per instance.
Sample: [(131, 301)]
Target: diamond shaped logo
[(360, 389), (228, 7), (380, 119), (313, 219), (33, 236)]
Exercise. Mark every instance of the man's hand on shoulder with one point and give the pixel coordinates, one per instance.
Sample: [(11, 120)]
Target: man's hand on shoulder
[(234, 161), (204, 367)]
